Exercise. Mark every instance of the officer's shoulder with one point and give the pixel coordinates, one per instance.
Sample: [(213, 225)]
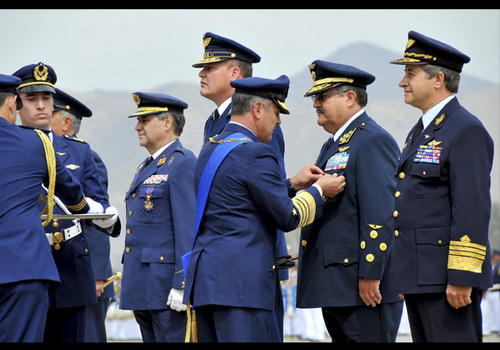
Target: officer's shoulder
[(74, 139)]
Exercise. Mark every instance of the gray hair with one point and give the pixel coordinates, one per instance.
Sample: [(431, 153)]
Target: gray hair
[(361, 94), (75, 122), (242, 103), (451, 78), (178, 120)]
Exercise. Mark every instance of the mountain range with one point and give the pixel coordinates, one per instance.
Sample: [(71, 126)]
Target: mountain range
[(111, 133)]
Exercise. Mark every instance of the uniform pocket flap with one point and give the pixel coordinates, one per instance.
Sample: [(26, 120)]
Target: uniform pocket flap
[(340, 253), (156, 255)]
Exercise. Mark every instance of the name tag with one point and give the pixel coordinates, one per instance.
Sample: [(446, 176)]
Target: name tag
[(428, 154), (337, 161)]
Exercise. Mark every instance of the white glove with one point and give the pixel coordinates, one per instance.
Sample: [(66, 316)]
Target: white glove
[(106, 223), (174, 300), (95, 207)]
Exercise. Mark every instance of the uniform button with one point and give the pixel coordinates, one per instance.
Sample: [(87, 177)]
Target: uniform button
[(128, 231), (133, 195), (396, 233), (397, 194), (304, 243), (401, 175), (440, 241), (55, 224), (346, 261), (373, 234), (130, 213), (274, 267), (127, 249), (382, 247), (363, 244), (162, 258), (395, 214), (370, 258)]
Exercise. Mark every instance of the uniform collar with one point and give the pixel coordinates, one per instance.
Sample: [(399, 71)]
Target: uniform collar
[(340, 131), (429, 116), (160, 151)]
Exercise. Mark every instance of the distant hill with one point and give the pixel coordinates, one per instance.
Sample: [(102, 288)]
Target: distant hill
[(111, 133)]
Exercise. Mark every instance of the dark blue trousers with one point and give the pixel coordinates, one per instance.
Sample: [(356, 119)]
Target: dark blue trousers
[(23, 311), (232, 324), (162, 325), (432, 319), (363, 323)]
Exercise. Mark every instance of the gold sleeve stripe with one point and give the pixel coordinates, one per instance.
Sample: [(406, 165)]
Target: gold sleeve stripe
[(78, 206), (305, 205), (466, 256)]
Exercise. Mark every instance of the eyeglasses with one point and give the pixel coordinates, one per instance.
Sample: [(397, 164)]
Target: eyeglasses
[(321, 96)]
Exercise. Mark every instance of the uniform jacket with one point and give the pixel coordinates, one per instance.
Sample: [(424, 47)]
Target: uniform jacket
[(73, 259), (277, 143), (443, 205), (232, 261), (156, 239), (24, 250), (99, 243), (353, 239)]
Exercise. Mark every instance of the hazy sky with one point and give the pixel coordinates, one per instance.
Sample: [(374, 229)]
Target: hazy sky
[(141, 49)]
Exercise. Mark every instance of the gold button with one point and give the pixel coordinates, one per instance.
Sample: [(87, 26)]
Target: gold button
[(370, 258), (55, 224), (373, 234), (86, 250), (128, 231), (127, 249), (274, 267), (440, 241), (133, 195), (162, 258), (57, 246), (130, 213), (383, 246), (304, 243), (346, 261), (363, 244), (397, 194), (395, 214), (401, 175), (396, 233), (424, 173), (57, 237)]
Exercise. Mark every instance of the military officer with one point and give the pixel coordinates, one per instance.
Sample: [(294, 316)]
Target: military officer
[(66, 120), (231, 273), (443, 200), (225, 60), (27, 269), (70, 249), (345, 258), (160, 206)]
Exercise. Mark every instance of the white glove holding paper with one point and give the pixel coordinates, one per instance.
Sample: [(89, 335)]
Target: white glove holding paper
[(174, 300)]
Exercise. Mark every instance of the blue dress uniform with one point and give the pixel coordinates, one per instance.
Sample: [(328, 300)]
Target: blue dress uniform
[(232, 263), (26, 263), (71, 253), (216, 49), (99, 244), (442, 210), (160, 205), (353, 239)]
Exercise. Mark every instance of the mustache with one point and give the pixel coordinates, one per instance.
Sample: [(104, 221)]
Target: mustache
[(320, 110)]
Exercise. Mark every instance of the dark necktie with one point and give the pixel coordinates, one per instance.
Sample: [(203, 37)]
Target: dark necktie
[(418, 130), (149, 160), (216, 115)]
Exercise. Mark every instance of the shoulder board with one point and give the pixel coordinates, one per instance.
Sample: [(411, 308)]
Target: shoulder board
[(74, 138), (34, 128)]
